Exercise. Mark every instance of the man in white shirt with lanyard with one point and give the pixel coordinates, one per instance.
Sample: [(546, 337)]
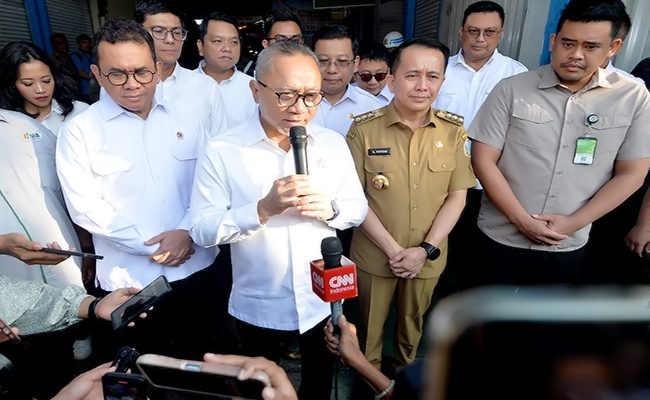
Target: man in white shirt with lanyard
[(336, 50), (126, 167), (220, 45), (192, 93), (246, 193), (470, 76)]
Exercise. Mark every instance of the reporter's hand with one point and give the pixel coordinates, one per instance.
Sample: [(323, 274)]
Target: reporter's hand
[(175, 247), (4, 337), (113, 300), (345, 345), (280, 389), (87, 386), (19, 246)]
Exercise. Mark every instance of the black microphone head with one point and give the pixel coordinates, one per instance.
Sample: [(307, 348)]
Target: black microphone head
[(297, 135), (331, 250)]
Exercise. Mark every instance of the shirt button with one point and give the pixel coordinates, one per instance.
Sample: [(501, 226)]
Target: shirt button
[(415, 207), (560, 172), (552, 196), (414, 163), (444, 165), (564, 146), (572, 98), (414, 186)]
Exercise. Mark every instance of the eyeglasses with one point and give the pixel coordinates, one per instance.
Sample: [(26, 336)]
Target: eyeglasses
[(289, 98), (475, 32), (325, 62), (295, 38), (160, 33), (142, 76), (366, 77)]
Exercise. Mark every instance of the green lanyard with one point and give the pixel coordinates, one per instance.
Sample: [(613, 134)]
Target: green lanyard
[(24, 229)]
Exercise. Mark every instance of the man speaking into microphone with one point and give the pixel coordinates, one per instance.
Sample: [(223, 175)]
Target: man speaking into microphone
[(247, 193)]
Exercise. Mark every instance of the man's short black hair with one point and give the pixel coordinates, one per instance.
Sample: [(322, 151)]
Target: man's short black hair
[(597, 11), (281, 15), (484, 7), (428, 43), (335, 32), (122, 30), (216, 16), (374, 51), (144, 8)]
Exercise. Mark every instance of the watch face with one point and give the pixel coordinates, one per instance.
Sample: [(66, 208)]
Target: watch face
[(434, 254)]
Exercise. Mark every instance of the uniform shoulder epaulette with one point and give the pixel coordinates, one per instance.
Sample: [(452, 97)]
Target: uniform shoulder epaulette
[(367, 116), (450, 117)]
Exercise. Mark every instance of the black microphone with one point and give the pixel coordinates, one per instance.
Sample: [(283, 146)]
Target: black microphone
[(331, 250), (298, 139)]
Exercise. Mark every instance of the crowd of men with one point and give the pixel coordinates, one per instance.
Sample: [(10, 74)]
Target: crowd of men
[(190, 174)]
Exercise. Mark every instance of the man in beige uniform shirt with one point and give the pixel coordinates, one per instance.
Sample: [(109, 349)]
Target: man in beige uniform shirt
[(557, 148), (415, 172)]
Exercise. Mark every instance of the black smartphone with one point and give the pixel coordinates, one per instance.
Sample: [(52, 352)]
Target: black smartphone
[(121, 386), (72, 253), (173, 378), (125, 359), (140, 302)]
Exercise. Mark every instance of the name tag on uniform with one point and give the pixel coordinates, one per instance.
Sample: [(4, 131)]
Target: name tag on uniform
[(379, 151), (585, 150), (32, 137)]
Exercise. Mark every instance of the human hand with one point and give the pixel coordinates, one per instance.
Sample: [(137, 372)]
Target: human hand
[(536, 229), (87, 386), (4, 337), (346, 344), (408, 262), (280, 388), (175, 247), (114, 299), (19, 246), (562, 224), (283, 195), (638, 239)]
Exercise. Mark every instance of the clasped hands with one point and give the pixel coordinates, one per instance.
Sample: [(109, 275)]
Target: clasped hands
[(297, 191)]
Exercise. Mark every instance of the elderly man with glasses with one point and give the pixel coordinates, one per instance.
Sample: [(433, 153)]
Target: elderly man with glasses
[(126, 167), (247, 193), (336, 50)]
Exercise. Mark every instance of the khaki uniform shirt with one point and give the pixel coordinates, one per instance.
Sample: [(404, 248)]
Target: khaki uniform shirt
[(535, 122), (421, 167)]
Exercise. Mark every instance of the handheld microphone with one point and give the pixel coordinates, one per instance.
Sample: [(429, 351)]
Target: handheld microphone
[(334, 278), (298, 139)]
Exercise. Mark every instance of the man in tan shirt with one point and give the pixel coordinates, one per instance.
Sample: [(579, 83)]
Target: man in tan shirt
[(415, 171), (557, 148)]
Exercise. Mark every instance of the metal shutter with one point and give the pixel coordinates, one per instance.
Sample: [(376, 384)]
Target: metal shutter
[(427, 17), (70, 17), (13, 22), (391, 15)]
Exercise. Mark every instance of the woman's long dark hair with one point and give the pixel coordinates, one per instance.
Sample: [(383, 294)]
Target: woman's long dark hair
[(16, 53)]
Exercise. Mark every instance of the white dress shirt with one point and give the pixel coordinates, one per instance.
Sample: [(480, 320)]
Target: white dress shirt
[(464, 89), (336, 116), (198, 95), (126, 180), (237, 96), (55, 119), (271, 276), (384, 97), (31, 202)]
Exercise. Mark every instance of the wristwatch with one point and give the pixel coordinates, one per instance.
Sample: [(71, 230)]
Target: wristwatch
[(432, 251), (335, 208)]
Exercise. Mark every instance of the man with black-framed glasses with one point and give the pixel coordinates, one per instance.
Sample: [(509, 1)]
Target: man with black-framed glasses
[(189, 92), (470, 77), (126, 167), (246, 193), (336, 50)]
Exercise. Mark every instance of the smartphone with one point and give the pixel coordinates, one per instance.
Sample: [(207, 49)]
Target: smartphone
[(140, 302), (121, 386), (125, 359), (190, 380), (6, 331), (71, 253)]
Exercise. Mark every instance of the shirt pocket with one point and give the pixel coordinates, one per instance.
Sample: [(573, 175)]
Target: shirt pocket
[(527, 123), (610, 130), (380, 165), (112, 173), (442, 163)]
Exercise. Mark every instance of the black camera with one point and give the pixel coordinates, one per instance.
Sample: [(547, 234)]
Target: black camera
[(125, 359)]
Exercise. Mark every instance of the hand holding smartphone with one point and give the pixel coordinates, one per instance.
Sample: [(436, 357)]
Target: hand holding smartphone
[(185, 379), (71, 253), (140, 302), (5, 330)]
